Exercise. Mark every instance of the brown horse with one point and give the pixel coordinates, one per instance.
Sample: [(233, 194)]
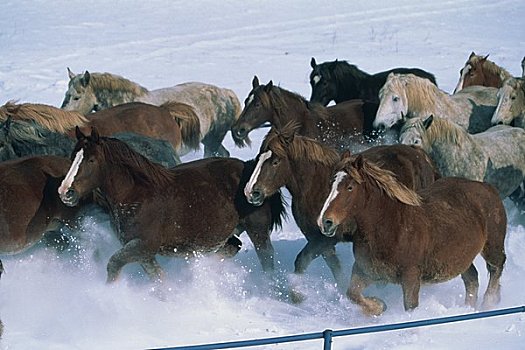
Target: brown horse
[(409, 237), (29, 205), (479, 70), (304, 166), (194, 207), (339, 126), (174, 122)]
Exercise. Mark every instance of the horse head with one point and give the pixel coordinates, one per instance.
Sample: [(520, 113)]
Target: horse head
[(511, 102), (85, 173), (257, 110), (273, 168), (393, 105), (324, 86), (413, 132), (80, 96)]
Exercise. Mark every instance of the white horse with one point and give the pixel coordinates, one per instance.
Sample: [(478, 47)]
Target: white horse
[(511, 103), (496, 156), (406, 96), (217, 108)]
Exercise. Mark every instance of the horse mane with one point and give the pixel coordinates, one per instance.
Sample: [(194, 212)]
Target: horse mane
[(52, 118), (27, 132), (138, 167), (285, 142), (441, 129), (279, 98), (341, 70), (490, 66), (113, 82), (384, 179), (422, 95)]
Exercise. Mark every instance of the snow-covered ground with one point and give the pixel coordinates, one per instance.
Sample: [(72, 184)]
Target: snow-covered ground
[(60, 301)]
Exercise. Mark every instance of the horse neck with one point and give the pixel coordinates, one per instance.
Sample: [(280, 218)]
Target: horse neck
[(53, 144), (494, 74), (350, 83), (436, 102), (292, 107), (107, 98)]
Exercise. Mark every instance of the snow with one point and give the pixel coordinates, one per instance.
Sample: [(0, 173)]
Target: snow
[(60, 301)]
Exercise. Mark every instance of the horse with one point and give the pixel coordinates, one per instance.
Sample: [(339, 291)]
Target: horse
[(30, 209), (194, 207), (340, 81), (496, 156), (217, 108), (511, 103), (20, 138), (479, 70), (406, 96), (409, 238), (340, 126), (304, 166), (174, 122)]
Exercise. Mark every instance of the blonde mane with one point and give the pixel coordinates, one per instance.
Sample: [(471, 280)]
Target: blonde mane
[(113, 82), (440, 129), (384, 179), (422, 95), (285, 142), (51, 118), (489, 66)]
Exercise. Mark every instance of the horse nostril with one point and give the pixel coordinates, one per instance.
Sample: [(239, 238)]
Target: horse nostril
[(327, 225), (256, 195), (499, 123), (70, 193)]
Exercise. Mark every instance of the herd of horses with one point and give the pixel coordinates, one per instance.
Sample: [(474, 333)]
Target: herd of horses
[(416, 211)]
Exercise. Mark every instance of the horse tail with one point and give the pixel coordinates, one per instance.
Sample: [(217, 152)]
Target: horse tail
[(188, 121)]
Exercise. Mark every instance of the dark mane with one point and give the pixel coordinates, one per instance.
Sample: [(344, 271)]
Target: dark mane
[(280, 99), (342, 73), (138, 167)]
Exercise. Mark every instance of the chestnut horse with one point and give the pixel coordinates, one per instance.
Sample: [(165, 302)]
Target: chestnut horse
[(409, 237), (340, 81), (194, 207), (29, 205), (339, 126), (479, 70), (304, 167)]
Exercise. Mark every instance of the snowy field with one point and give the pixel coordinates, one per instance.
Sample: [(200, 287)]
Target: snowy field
[(51, 301)]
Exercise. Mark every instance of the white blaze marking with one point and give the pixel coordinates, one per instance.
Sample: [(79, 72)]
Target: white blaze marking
[(70, 177), (253, 179), (333, 193), (316, 79), (250, 100), (465, 71)]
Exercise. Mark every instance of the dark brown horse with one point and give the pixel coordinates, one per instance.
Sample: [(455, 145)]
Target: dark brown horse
[(341, 81), (304, 166), (339, 126), (194, 207), (29, 205), (409, 237)]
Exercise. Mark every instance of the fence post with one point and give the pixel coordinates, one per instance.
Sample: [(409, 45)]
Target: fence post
[(327, 336)]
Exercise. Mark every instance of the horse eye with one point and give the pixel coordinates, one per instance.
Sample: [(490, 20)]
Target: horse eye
[(350, 188), (276, 161), (76, 98), (417, 141), (513, 97), (395, 98)]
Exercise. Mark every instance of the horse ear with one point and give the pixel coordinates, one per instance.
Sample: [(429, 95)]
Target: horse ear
[(358, 162), (85, 79), (427, 122), (94, 135), (485, 58), (70, 74), (79, 134), (255, 82), (346, 154), (313, 64), (472, 54), (268, 86)]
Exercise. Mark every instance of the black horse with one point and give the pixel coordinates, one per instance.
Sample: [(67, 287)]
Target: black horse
[(341, 81)]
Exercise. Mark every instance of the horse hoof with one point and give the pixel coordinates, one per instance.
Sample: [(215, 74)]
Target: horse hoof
[(296, 297), (373, 306)]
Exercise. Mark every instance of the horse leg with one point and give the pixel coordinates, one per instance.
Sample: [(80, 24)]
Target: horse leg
[(494, 254), (152, 268), (133, 251), (370, 305), (54, 237), (410, 283), (213, 144), (312, 250), (470, 279), (258, 229), (231, 247)]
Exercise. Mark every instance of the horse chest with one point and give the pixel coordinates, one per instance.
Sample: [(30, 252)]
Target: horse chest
[(123, 216)]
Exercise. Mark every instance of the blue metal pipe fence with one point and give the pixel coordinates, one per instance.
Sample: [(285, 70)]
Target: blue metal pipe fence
[(328, 334)]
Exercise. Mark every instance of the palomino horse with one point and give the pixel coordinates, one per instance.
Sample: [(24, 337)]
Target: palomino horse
[(217, 108), (511, 103), (496, 156), (29, 206), (407, 96), (340, 81), (20, 138), (478, 70), (194, 207), (340, 126), (174, 122), (408, 238), (304, 166)]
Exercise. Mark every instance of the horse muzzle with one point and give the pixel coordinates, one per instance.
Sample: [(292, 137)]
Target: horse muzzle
[(328, 227), (70, 198), (256, 197)]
